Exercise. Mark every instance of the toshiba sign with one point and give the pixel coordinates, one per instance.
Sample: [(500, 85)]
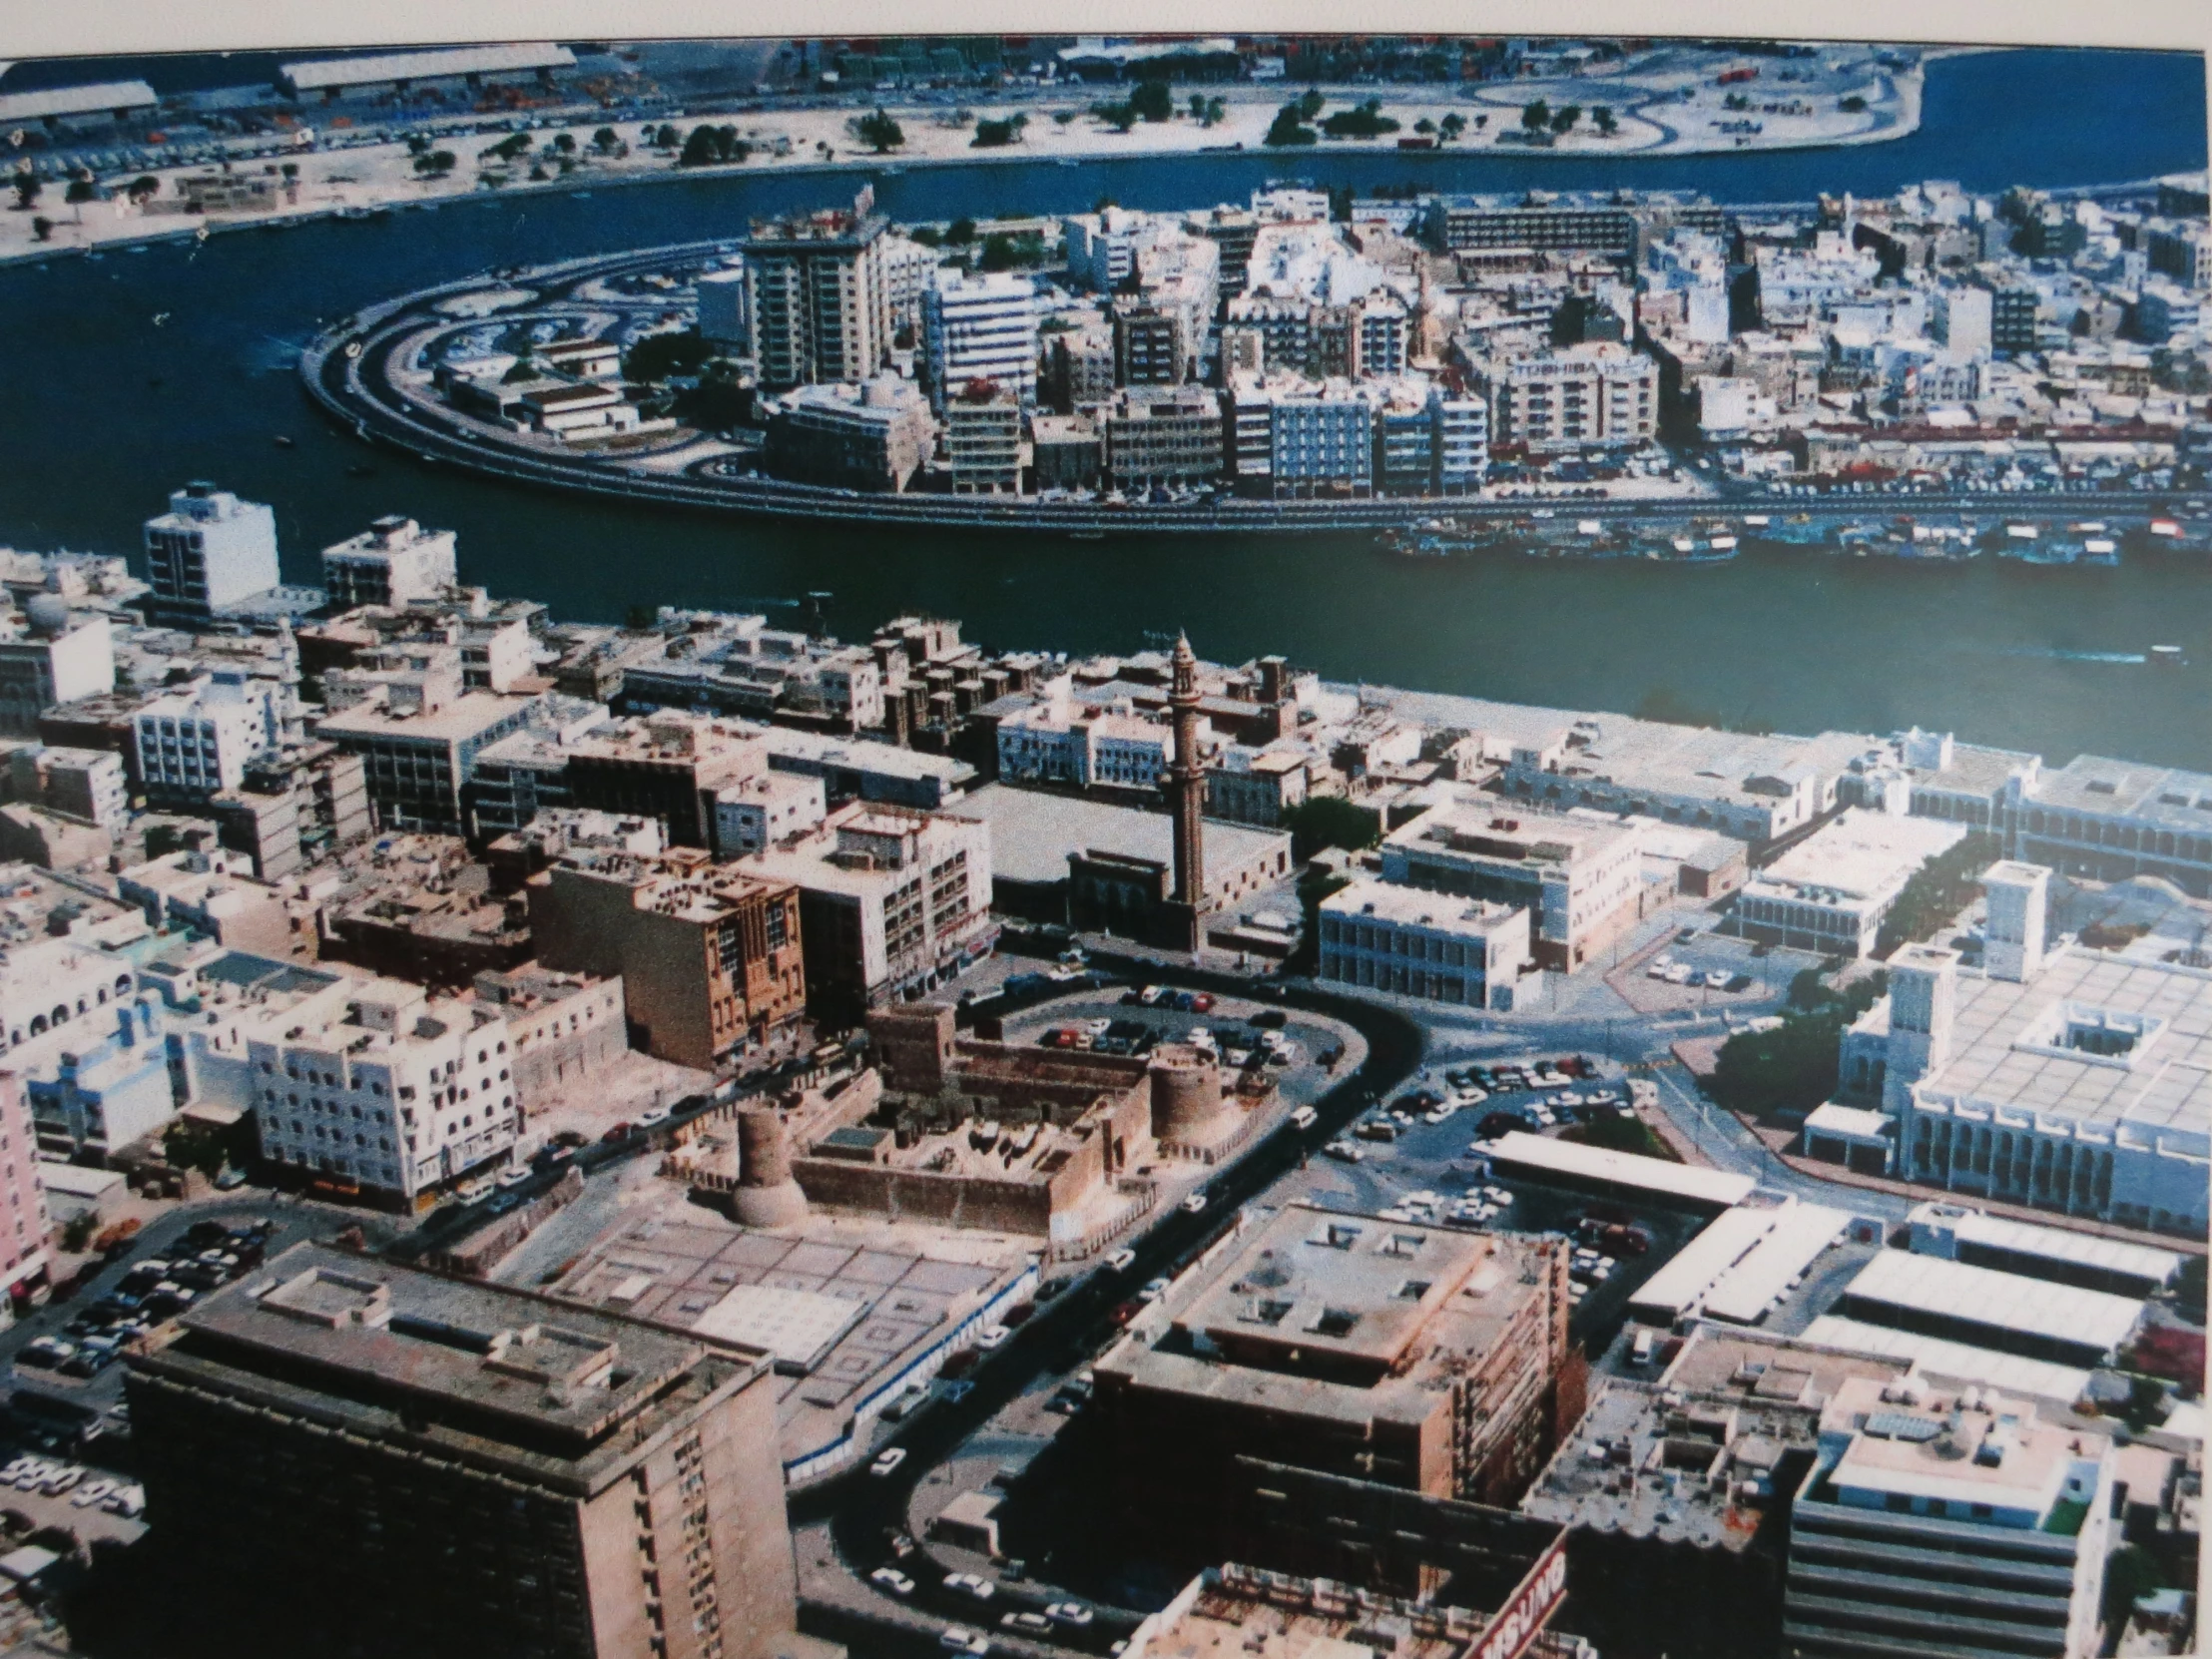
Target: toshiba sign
[(1521, 1619)]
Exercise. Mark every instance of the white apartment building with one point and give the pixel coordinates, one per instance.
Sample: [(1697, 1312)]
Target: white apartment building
[(52, 983), (51, 656), (195, 743), (1579, 878), (1059, 740), (1596, 395), (392, 562), (893, 901), (1941, 1520), (1801, 286), (391, 1091), (980, 327), (754, 814), (1831, 892), (1415, 943), (1693, 264), (210, 550)]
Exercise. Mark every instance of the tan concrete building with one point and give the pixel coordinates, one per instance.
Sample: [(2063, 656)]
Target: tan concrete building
[(451, 1467), (710, 957), (1387, 1351)]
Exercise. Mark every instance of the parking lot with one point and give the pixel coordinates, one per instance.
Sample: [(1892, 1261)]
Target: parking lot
[(1705, 971)]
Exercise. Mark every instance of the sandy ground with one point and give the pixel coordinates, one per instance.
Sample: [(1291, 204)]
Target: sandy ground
[(1653, 120)]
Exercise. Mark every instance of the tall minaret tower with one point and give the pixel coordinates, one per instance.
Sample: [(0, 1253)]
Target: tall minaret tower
[(1187, 799)]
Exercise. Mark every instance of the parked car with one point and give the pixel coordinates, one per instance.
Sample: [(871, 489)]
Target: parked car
[(993, 1336), (958, 1638), (1194, 1203), (1154, 1290), (1072, 1613), (893, 1581), (1302, 1117), (1028, 1624), (1121, 1261), (887, 1461), (968, 1584)]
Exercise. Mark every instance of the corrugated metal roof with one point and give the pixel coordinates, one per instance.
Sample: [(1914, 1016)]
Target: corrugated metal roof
[(315, 74)]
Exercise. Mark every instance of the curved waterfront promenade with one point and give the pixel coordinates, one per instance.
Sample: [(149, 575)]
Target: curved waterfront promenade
[(350, 370)]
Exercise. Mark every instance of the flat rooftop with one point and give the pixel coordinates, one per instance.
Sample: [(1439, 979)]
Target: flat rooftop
[(1418, 907), (1958, 1361), (1543, 1158), (465, 716), (1032, 835), (376, 1345), (1351, 1286), (1388, 1310), (2056, 1244), (2164, 796), (1493, 828), (1936, 1448), (1857, 855), (2008, 1045), (1929, 1287)]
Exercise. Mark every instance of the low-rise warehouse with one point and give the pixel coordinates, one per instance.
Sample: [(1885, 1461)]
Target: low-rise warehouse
[(1986, 1308), (1986, 1241), (1627, 1174)]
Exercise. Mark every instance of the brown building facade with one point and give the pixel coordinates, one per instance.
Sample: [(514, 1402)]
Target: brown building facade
[(710, 959), (1419, 1358), (374, 1460)]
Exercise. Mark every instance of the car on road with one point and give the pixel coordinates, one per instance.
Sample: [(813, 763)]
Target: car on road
[(958, 1638), (1121, 1261), (1069, 1613), (1028, 1624), (1194, 1203), (653, 1115), (514, 1177), (889, 1461), (1344, 1152), (993, 1336), (1302, 1117), (893, 1581), (971, 1584), (1154, 1290)]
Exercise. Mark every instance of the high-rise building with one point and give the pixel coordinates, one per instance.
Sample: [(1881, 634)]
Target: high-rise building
[(369, 1455), (821, 310), (980, 327), (209, 551), (1586, 396), (197, 741), (982, 439)]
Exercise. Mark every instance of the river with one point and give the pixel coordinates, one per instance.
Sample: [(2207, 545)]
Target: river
[(176, 361)]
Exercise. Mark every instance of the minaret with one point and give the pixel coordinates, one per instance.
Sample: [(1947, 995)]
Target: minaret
[(1187, 801)]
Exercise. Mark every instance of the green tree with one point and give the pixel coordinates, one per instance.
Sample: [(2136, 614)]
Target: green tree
[(1451, 126), (1310, 103), (1152, 100), (604, 140), (2130, 1573), (1537, 116), (1606, 124), (1121, 116), (565, 143), (1424, 125), (713, 147), (879, 132), (1938, 891), (417, 143), (657, 356), (1288, 129), (991, 135), (1792, 1067), (1314, 886), (1215, 112), (1564, 118), (999, 252), (143, 189), (1330, 821), (1361, 122), (927, 234), (27, 189), (80, 192), (960, 232), (42, 230)]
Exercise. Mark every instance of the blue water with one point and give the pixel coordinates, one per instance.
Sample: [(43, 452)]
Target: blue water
[(126, 407)]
